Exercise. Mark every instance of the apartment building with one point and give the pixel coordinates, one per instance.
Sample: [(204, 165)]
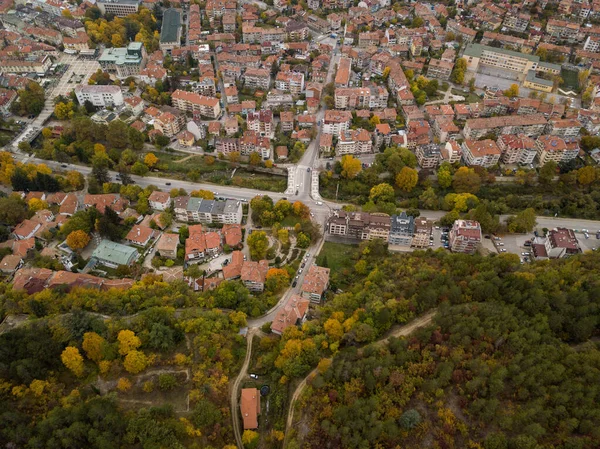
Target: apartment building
[(124, 61), (480, 56), (256, 35), (335, 122), (254, 274), (119, 8), (566, 128), (315, 283), (261, 123), (560, 242), (428, 156), (354, 141), (286, 120), (439, 69), (402, 229), (342, 76), (359, 225), (445, 129), (468, 35), (100, 96), (169, 123), (368, 39), (227, 146), (292, 82), (189, 209), (292, 313), (465, 236), (192, 102), (361, 97), (554, 148), (257, 78), (516, 21), (484, 153), (517, 149), (531, 125), (563, 30)]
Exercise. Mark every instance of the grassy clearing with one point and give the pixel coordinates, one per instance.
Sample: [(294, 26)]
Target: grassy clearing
[(338, 256), (571, 79)]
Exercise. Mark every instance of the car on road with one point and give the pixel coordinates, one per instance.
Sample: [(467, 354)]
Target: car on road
[(319, 203), (254, 376), (297, 192), (308, 169), (167, 183), (303, 265), (294, 283), (503, 250), (300, 271), (64, 165)]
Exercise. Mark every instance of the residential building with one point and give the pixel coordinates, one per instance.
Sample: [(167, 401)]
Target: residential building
[(484, 153), (257, 78), (140, 235), (31, 64), (7, 98), (26, 229), (359, 225), (159, 200), (286, 120), (291, 314), (428, 156), (170, 33), (342, 77), (402, 229), (315, 283), (250, 407), (336, 122), (167, 245), (152, 74), (554, 148), (113, 254), (124, 61), (468, 35), (190, 210), (120, 8), (254, 275), (354, 141), (465, 236), (566, 128), (439, 69), (361, 97), (292, 82), (261, 123), (10, 263), (169, 123), (517, 149), (192, 102), (560, 242), (531, 125)]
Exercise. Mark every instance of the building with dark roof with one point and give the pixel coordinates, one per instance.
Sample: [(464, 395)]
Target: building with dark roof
[(402, 230), (170, 33)]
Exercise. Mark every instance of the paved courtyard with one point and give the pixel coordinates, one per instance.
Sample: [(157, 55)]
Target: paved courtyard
[(78, 72)]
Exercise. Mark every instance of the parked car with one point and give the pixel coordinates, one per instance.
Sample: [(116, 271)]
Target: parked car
[(294, 283), (254, 376)]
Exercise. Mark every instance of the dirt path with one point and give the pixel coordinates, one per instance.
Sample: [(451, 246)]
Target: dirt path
[(179, 161), (399, 332), (234, 391)]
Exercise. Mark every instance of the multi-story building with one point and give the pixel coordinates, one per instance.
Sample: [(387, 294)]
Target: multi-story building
[(517, 149), (254, 275), (227, 146), (402, 229), (359, 225), (554, 148), (286, 120), (251, 142), (190, 209), (192, 102), (342, 76), (100, 96), (120, 8), (124, 61), (315, 283), (479, 57), (429, 155), (261, 123), (484, 153), (336, 122), (169, 123), (560, 242), (257, 78), (465, 236), (563, 30), (567, 128), (368, 39), (257, 35), (170, 33), (292, 82), (354, 141), (468, 35), (445, 128), (516, 21), (531, 125), (507, 41), (36, 64), (439, 69), (361, 97)]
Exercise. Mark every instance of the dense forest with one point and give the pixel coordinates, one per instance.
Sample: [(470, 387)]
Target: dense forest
[(510, 361)]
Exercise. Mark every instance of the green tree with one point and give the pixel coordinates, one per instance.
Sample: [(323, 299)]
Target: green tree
[(382, 193), (586, 175), (407, 179), (258, 243), (444, 175), (458, 73), (351, 166), (547, 172), (465, 180), (523, 222), (30, 100)]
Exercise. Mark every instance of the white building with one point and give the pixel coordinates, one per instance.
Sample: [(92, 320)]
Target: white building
[(99, 95)]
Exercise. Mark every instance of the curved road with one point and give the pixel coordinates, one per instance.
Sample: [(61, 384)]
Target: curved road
[(400, 332), (236, 386)]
